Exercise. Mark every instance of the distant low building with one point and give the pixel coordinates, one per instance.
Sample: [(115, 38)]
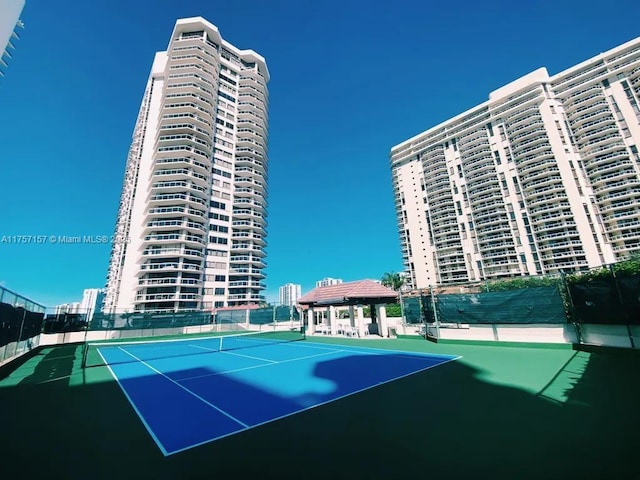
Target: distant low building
[(289, 294), (325, 282), (71, 308)]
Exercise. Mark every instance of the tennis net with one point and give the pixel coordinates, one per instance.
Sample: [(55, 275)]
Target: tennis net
[(116, 352)]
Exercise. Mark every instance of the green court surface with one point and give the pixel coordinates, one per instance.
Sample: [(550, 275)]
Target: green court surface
[(498, 412)]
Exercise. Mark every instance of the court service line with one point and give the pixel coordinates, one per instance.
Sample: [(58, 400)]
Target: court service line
[(203, 348), (381, 351), (248, 356), (260, 366), (231, 353), (187, 390)]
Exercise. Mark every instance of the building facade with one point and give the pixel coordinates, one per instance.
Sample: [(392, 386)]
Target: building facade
[(92, 300), (68, 308), (542, 178), (191, 226), (289, 294), (10, 11), (325, 282)]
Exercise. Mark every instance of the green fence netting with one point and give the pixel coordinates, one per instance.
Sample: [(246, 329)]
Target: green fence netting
[(231, 316), (412, 310), (524, 306), (258, 316), (137, 321), (612, 301)]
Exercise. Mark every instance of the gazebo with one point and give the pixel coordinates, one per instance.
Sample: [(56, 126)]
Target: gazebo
[(354, 295)]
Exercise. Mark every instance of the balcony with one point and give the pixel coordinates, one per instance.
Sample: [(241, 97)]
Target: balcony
[(168, 266), (169, 281), (173, 252), (176, 237)]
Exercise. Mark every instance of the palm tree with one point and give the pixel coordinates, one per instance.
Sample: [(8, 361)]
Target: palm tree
[(393, 280)]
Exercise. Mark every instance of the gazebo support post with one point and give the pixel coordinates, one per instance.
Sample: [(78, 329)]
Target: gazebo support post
[(311, 321), (382, 320), (360, 320), (374, 318), (352, 317), (332, 320)]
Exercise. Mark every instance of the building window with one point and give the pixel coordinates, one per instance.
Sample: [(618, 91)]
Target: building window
[(490, 128)]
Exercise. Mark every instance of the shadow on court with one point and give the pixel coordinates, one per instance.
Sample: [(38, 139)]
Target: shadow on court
[(49, 363), (444, 423)]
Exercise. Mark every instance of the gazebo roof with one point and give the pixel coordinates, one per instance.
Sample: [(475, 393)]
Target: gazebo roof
[(362, 292)]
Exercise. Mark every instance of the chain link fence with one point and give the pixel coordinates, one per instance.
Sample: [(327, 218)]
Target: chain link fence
[(21, 322)]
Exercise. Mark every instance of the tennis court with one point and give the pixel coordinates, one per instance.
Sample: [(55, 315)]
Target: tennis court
[(188, 392), (501, 412)]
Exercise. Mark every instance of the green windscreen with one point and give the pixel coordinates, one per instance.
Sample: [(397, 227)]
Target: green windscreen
[(524, 306)]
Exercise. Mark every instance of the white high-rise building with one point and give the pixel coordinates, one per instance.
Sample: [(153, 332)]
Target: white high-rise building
[(10, 11), (544, 177), (92, 299), (325, 282), (69, 308), (289, 294), (191, 227)]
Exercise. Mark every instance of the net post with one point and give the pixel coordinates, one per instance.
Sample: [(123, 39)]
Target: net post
[(435, 313), (85, 349), (85, 342)]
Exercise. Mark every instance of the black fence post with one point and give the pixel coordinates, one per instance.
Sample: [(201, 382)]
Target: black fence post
[(436, 319), (621, 300), (24, 315), (571, 308)]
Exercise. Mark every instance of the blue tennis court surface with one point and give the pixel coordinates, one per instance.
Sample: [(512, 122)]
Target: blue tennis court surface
[(186, 401)]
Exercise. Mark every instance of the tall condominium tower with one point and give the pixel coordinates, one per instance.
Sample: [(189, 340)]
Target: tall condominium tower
[(544, 177), (191, 226), (289, 294), (92, 301), (10, 11)]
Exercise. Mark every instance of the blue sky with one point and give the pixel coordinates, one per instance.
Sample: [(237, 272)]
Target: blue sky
[(349, 80)]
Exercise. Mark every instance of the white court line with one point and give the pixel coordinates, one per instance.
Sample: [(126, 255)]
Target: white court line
[(186, 389), (135, 408), (312, 406), (203, 348), (232, 353), (381, 351), (260, 366), (248, 356)]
